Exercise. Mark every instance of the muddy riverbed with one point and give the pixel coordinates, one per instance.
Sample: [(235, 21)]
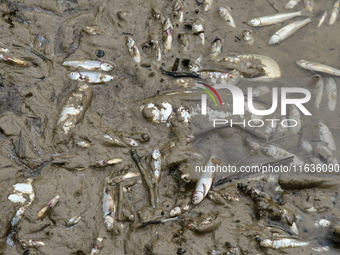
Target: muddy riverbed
[(245, 209)]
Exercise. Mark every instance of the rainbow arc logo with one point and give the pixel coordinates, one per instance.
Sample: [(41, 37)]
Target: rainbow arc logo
[(207, 90)]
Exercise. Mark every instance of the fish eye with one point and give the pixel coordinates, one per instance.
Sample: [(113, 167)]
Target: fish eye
[(231, 76)]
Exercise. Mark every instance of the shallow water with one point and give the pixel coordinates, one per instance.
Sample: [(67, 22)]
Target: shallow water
[(32, 98)]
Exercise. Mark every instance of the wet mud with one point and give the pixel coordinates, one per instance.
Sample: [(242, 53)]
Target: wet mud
[(114, 132)]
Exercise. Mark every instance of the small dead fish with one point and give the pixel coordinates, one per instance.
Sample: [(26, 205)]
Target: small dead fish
[(335, 12), (207, 5), (248, 37), (204, 182), (52, 203), (322, 223), (133, 49), (12, 60), (279, 153), (109, 207), (168, 31), (323, 150), (275, 18), (124, 177), (73, 221), (179, 210), (158, 14), (287, 31), (291, 4), (102, 163), (216, 48), (260, 91), (89, 65), (326, 135), (306, 146), (93, 30), (184, 40), (197, 29), (294, 114), (251, 144), (156, 164), (282, 243), (232, 76), (318, 89), (225, 13), (91, 77), (31, 243), (97, 246), (309, 5), (322, 19), (332, 93), (314, 66), (178, 10), (83, 144)]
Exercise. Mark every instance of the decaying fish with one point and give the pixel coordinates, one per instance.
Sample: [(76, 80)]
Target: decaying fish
[(275, 18), (156, 114), (91, 77), (179, 209), (326, 135), (232, 76), (281, 243), (93, 30), (287, 31), (197, 29), (248, 37), (322, 223), (73, 112), (260, 91), (322, 149), (83, 144), (225, 13), (216, 48), (158, 14), (205, 181), (322, 19), (314, 66), (156, 164), (168, 31), (89, 65), (51, 204), (133, 49), (294, 114), (335, 12), (291, 4), (102, 163), (279, 153), (251, 144), (109, 207), (31, 243), (207, 5), (73, 221), (309, 5), (97, 246), (184, 40), (332, 93), (206, 223), (179, 10), (123, 177), (318, 89), (12, 60), (306, 146)]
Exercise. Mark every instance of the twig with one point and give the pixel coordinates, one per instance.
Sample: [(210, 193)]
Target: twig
[(274, 5), (143, 224)]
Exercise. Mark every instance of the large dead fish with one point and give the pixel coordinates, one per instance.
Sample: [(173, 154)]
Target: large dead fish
[(314, 66)]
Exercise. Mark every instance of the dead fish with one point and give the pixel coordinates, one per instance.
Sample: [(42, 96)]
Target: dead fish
[(73, 221), (204, 182), (133, 49), (168, 31), (318, 89), (124, 177), (326, 135), (322, 223), (260, 91), (51, 204), (232, 76), (31, 243), (294, 114), (251, 144), (109, 207), (225, 13), (156, 46), (178, 10), (156, 164), (323, 150), (332, 93), (335, 12), (248, 37), (102, 163), (314, 66), (287, 31), (89, 65), (12, 60), (197, 29), (158, 14), (83, 144), (216, 48), (91, 77), (306, 146), (322, 19), (155, 114), (282, 243), (309, 5), (278, 153), (275, 18), (93, 30), (206, 223), (97, 246), (291, 4), (73, 112), (184, 40), (179, 210), (207, 5)]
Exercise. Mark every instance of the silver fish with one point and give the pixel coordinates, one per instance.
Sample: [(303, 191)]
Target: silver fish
[(291, 4), (73, 221), (168, 31), (279, 153), (314, 66), (332, 93), (51, 204), (156, 164), (207, 5), (251, 144), (102, 163), (326, 135), (91, 77), (225, 13), (109, 207), (197, 29), (306, 146), (179, 10), (275, 18), (324, 151), (287, 31), (13, 60), (93, 30), (232, 77), (248, 36), (133, 49), (89, 65), (318, 89), (294, 114), (309, 5), (322, 19), (97, 246), (282, 243), (216, 48), (335, 12)]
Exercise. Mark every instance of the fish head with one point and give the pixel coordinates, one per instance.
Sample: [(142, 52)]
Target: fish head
[(197, 197), (274, 39), (129, 42), (266, 243), (254, 22), (234, 77), (106, 67), (108, 222), (74, 75), (302, 63)]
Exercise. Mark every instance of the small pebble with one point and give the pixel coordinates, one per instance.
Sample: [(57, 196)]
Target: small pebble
[(100, 53)]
